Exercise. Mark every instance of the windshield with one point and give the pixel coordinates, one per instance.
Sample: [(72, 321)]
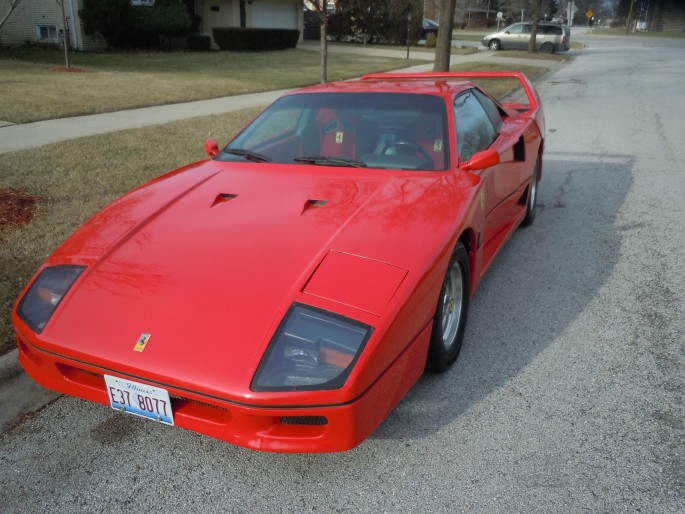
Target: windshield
[(376, 130)]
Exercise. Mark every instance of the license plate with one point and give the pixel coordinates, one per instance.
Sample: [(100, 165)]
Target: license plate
[(140, 399)]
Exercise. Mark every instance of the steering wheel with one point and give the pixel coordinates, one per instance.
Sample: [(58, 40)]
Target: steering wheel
[(407, 144)]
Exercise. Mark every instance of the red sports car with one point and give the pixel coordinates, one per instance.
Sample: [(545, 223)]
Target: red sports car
[(285, 294)]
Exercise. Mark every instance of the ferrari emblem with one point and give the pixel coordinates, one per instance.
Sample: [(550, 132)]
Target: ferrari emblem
[(339, 136), (142, 342)]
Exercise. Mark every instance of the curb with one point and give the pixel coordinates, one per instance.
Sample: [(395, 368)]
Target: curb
[(9, 366)]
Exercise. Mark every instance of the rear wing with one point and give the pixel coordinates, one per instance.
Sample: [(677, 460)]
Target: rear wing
[(523, 80), (514, 91)]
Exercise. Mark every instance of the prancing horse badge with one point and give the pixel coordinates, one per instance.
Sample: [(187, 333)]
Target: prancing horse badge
[(142, 342)]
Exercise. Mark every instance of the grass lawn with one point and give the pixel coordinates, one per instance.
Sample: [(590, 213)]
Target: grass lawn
[(74, 179), (31, 88)]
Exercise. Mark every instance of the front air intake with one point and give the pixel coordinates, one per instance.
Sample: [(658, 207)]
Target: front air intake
[(304, 420)]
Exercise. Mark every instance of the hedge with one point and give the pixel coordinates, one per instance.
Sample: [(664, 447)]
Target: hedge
[(199, 42), (255, 40)]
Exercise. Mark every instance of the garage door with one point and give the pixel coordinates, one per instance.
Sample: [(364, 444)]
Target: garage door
[(274, 15)]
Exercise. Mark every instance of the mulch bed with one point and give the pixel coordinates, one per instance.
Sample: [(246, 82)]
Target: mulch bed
[(68, 70), (17, 208)]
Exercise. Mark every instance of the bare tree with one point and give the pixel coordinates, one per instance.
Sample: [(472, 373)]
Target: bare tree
[(443, 44), (320, 8), (11, 6)]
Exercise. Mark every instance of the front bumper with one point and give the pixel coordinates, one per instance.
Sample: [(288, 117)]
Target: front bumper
[(324, 428)]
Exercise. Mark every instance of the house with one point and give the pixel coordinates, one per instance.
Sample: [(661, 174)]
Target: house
[(282, 14), (44, 21)]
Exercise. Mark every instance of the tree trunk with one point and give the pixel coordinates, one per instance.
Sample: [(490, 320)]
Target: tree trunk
[(443, 44), (323, 17), (537, 5)]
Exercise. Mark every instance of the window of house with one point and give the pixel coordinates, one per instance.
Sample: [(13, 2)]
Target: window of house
[(46, 32)]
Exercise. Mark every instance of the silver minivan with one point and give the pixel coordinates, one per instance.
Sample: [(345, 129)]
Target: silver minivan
[(551, 37)]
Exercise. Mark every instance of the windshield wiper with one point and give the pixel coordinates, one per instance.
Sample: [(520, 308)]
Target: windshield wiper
[(322, 160), (248, 154)]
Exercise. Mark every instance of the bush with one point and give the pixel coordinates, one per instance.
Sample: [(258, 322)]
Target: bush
[(384, 21), (431, 40), (127, 26), (199, 42), (165, 20), (255, 40), (112, 19)]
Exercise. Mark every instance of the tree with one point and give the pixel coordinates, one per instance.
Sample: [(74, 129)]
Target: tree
[(124, 25), (11, 6), (321, 9), (112, 19), (443, 45), (537, 5)]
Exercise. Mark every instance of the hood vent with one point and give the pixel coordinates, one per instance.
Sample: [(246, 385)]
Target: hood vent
[(313, 204), (223, 198)]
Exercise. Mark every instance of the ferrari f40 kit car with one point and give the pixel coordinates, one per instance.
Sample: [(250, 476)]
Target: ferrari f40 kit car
[(285, 294)]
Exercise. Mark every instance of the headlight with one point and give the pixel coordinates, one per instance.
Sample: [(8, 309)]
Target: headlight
[(311, 350), (45, 294)]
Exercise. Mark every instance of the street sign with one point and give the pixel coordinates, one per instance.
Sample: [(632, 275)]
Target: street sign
[(589, 14)]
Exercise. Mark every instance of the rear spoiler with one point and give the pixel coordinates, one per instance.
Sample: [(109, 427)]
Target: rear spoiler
[(526, 84)]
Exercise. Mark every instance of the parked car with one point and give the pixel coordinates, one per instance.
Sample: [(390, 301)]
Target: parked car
[(285, 294), (428, 27), (551, 38)]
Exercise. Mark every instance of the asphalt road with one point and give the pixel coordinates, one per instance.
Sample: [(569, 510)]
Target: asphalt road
[(568, 395)]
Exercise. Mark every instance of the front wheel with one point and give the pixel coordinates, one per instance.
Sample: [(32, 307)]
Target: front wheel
[(449, 321), (494, 45)]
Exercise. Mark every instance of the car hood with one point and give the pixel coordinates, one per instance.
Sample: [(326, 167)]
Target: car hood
[(208, 259)]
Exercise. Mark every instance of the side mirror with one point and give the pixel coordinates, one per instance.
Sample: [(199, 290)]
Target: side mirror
[(211, 148), (482, 160)]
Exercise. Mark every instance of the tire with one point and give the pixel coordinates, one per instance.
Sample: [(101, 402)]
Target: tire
[(449, 321), (532, 202), (494, 44), (547, 48)]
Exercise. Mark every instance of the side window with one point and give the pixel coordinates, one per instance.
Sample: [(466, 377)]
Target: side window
[(475, 131), (515, 29), (526, 29), (491, 109)]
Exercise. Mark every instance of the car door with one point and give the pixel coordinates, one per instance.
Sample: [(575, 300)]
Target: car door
[(479, 126), (515, 36)]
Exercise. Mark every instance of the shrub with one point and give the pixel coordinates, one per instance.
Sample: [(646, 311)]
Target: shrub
[(112, 19), (199, 42), (255, 40), (431, 39), (124, 25)]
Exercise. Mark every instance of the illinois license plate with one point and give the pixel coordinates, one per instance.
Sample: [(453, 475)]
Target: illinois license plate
[(140, 399)]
